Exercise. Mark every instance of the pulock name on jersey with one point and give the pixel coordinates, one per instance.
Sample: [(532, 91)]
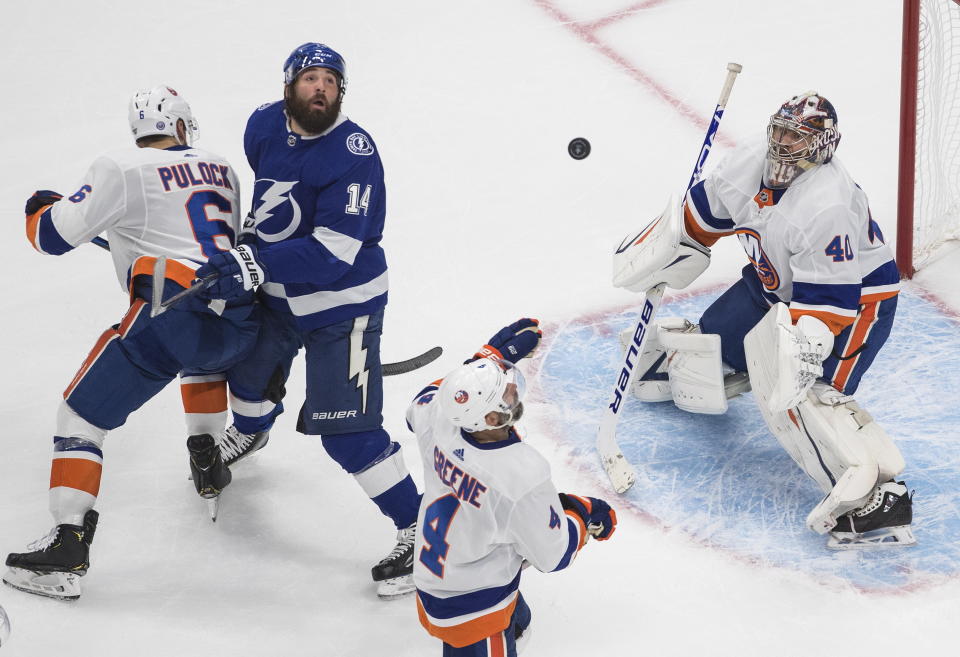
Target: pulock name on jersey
[(469, 488), (182, 175)]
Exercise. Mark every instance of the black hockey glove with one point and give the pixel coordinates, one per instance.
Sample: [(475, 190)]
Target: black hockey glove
[(41, 198)]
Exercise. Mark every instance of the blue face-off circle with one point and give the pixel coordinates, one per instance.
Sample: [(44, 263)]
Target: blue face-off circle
[(726, 482)]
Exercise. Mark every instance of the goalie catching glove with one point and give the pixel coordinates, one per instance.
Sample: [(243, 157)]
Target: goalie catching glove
[(514, 342), (595, 514), (238, 271), (660, 253)]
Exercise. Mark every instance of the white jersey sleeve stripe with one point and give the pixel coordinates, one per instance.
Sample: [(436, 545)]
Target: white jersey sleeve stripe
[(343, 247)]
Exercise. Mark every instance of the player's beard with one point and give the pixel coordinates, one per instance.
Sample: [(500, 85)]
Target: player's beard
[(314, 121)]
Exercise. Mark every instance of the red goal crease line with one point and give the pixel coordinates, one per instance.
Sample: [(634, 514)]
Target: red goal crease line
[(586, 31)]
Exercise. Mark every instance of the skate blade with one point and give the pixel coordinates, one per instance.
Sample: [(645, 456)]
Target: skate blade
[(213, 506), (879, 539), (60, 586), (395, 587)]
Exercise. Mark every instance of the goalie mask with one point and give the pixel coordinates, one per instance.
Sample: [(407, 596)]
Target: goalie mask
[(802, 134), (156, 112), (487, 385)]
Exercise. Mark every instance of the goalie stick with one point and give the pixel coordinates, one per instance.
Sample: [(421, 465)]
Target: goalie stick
[(620, 471)]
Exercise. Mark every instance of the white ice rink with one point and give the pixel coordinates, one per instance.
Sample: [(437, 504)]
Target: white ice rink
[(472, 105)]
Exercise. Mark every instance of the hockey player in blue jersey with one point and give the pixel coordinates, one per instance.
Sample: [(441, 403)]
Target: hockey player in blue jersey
[(312, 247)]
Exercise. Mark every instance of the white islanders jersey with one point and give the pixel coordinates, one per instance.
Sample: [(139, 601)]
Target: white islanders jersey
[(814, 245), (487, 508), (180, 202)]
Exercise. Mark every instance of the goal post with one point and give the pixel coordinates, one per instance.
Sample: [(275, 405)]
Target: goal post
[(928, 197)]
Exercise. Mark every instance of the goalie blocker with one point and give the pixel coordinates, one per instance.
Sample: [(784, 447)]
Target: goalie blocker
[(678, 362)]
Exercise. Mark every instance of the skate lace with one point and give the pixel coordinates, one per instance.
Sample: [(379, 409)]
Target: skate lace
[(232, 443), (405, 540), (42, 544)]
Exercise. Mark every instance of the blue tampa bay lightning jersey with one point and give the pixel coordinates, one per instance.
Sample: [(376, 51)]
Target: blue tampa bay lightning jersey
[(319, 205)]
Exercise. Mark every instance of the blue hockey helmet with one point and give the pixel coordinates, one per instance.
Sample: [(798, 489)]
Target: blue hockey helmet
[(311, 55)]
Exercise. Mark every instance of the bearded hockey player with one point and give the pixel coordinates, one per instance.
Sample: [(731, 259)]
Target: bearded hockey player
[(806, 320)]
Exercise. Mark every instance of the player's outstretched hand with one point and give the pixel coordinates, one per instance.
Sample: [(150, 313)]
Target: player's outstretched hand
[(237, 270), (599, 519), (40, 198), (513, 342)]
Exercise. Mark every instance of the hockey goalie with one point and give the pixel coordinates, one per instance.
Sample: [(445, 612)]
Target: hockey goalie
[(801, 327)]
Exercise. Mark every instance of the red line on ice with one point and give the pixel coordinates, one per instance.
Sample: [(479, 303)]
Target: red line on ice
[(585, 32)]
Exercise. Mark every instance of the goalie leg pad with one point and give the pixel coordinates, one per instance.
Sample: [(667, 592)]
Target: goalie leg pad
[(695, 369), (840, 447), (653, 382)]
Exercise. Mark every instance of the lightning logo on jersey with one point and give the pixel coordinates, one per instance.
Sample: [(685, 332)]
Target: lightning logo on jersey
[(278, 215), (358, 358)]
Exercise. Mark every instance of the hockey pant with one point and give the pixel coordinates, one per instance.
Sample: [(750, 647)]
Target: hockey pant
[(501, 644), (739, 309), (129, 364), (343, 402)]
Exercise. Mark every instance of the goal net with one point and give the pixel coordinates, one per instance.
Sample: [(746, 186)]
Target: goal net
[(929, 194)]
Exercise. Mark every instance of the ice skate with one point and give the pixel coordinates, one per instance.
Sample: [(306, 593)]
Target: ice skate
[(395, 571), (883, 522), (210, 475), (235, 446), (56, 562), (395, 587)]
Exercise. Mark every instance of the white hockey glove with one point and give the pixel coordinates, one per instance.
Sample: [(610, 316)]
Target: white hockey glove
[(801, 350), (660, 253)]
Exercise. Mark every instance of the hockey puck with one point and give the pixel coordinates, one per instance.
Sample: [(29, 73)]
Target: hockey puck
[(578, 148)]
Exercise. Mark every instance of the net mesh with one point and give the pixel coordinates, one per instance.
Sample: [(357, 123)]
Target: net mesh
[(937, 176)]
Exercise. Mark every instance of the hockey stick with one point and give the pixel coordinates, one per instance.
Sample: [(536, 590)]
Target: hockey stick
[(159, 306), (621, 473), (415, 363)]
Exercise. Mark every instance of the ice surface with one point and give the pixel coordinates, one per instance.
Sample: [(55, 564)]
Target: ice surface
[(472, 105)]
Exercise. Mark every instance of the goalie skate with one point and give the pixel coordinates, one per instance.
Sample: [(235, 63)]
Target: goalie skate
[(884, 522)]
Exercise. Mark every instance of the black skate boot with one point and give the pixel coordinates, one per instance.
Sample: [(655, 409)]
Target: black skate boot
[(884, 521), (210, 475), (235, 446), (56, 561), (395, 571)]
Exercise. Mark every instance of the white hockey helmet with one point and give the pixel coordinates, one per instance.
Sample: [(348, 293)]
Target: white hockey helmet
[(156, 111), (486, 385)]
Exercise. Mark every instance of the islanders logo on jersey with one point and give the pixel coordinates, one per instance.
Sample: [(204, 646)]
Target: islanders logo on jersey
[(766, 272), (276, 213), (461, 397), (359, 144)]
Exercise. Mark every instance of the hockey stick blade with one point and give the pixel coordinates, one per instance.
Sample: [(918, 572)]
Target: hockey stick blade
[(411, 364)]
